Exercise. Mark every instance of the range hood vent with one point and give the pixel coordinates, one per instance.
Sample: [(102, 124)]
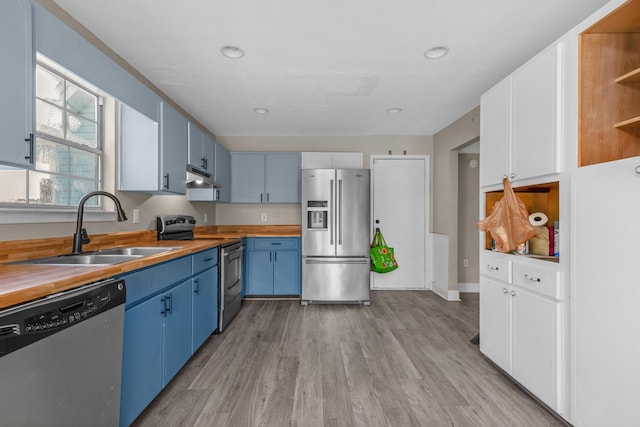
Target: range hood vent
[(197, 178)]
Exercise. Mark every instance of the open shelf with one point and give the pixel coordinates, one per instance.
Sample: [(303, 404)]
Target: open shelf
[(609, 87), (543, 198)]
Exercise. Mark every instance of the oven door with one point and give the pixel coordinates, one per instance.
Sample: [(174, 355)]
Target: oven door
[(230, 283)]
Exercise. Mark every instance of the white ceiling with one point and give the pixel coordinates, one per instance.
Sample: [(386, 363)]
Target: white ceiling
[(327, 67)]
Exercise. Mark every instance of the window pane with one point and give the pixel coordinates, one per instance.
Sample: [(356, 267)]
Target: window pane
[(14, 189), (84, 164), (49, 119), (49, 87), (81, 102), (82, 131), (48, 189), (80, 187), (51, 157)]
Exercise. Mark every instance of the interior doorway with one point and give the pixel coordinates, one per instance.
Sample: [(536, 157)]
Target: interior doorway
[(400, 207)]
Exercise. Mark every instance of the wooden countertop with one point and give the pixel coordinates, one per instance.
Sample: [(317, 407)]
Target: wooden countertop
[(24, 282)]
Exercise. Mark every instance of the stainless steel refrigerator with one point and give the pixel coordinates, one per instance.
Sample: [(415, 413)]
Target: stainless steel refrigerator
[(335, 236)]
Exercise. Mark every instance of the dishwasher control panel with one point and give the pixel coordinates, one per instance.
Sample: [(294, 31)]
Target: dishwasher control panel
[(26, 323)]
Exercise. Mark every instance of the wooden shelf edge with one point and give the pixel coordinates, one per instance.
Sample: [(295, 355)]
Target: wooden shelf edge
[(630, 77), (633, 122)]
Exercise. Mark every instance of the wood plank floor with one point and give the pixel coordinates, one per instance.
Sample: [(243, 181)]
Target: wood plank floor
[(406, 360)]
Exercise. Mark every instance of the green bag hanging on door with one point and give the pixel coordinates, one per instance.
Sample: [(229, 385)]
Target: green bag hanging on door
[(382, 258)]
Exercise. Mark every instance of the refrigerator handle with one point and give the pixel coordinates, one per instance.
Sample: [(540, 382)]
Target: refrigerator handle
[(340, 212), (331, 215)]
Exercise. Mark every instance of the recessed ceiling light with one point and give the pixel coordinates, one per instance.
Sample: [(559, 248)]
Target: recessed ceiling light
[(436, 52), (232, 52), (394, 110), (261, 110)]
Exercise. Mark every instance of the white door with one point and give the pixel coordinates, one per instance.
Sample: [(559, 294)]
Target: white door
[(399, 197)]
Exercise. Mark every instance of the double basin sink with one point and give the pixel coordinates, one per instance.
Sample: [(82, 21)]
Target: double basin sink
[(100, 257)]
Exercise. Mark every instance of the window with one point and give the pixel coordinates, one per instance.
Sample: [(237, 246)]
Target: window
[(68, 146)]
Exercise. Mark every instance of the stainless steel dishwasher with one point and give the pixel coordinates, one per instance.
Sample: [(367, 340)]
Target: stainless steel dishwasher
[(61, 358), (230, 282)]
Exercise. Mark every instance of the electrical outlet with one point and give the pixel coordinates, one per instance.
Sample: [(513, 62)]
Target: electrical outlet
[(136, 216), (205, 218), (465, 262), (263, 217)]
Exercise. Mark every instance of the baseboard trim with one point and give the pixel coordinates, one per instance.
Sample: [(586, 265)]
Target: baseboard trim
[(469, 287), (447, 295)]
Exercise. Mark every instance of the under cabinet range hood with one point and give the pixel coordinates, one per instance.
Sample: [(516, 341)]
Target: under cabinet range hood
[(197, 178)]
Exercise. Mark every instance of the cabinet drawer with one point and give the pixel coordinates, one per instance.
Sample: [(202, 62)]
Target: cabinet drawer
[(545, 281), (497, 268), (277, 243), (205, 259), (148, 281)]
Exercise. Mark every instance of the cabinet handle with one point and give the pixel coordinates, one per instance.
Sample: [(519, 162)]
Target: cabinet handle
[(208, 259), (638, 170), (512, 175), (166, 181), (170, 299), (163, 300), (533, 279), (267, 197), (513, 293), (275, 256), (197, 288), (260, 197), (270, 256), (30, 141), (204, 162), (505, 290), (491, 267)]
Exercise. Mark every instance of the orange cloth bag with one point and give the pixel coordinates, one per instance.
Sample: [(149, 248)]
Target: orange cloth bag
[(509, 221)]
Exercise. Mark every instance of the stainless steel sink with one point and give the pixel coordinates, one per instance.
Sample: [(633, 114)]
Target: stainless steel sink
[(144, 251), (101, 257), (92, 259)]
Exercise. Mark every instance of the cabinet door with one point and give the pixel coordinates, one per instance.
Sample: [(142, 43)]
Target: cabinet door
[(174, 150), (139, 154), (534, 345), (16, 83), (209, 154), (177, 346), (605, 293), (259, 273), (196, 143), (205, 306), (536, 109), (495, 133), (286, 273), (142, 358), (247, 178), (495, 322), (283, 178), (223, 174)]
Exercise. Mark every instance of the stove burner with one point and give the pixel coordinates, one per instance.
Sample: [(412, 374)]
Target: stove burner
[(175, 227)]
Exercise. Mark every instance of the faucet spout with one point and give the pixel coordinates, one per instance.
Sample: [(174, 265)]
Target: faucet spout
[(80, 235)]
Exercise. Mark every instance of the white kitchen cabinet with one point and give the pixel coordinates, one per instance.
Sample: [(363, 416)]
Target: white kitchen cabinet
[(336, 160), (17, 84), (520, 129), (521, 324), (605, 293), (201, 151)]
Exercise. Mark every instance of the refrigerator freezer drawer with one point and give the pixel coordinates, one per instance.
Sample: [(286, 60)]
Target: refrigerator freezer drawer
[(335, 280)]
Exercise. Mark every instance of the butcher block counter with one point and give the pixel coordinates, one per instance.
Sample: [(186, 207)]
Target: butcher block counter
[(25, 282)]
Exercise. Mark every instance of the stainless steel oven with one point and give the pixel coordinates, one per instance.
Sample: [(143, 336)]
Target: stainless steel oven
[(230, 282)]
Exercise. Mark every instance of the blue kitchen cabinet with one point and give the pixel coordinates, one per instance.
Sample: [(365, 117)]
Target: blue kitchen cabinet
[(17, 84), (201, 152), (171, 309), (265, 177), (173, 143), (205, 306), (223, 174), (273, 266)]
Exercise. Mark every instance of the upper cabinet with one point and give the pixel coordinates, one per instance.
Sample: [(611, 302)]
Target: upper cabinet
[(609, 86), (321, 160), (16, 84), (173, 153), (221, 175), (152, 161), (201, 150), (520, 122), (265, 177)]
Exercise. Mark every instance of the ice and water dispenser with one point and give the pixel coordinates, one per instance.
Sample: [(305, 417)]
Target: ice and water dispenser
[(317, 214)]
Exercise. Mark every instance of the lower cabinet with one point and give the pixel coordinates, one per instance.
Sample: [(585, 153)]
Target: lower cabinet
[(171, 309), (273, 266), (522, 328)]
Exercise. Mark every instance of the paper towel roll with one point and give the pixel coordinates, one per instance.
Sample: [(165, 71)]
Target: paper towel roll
[(538, 219)]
